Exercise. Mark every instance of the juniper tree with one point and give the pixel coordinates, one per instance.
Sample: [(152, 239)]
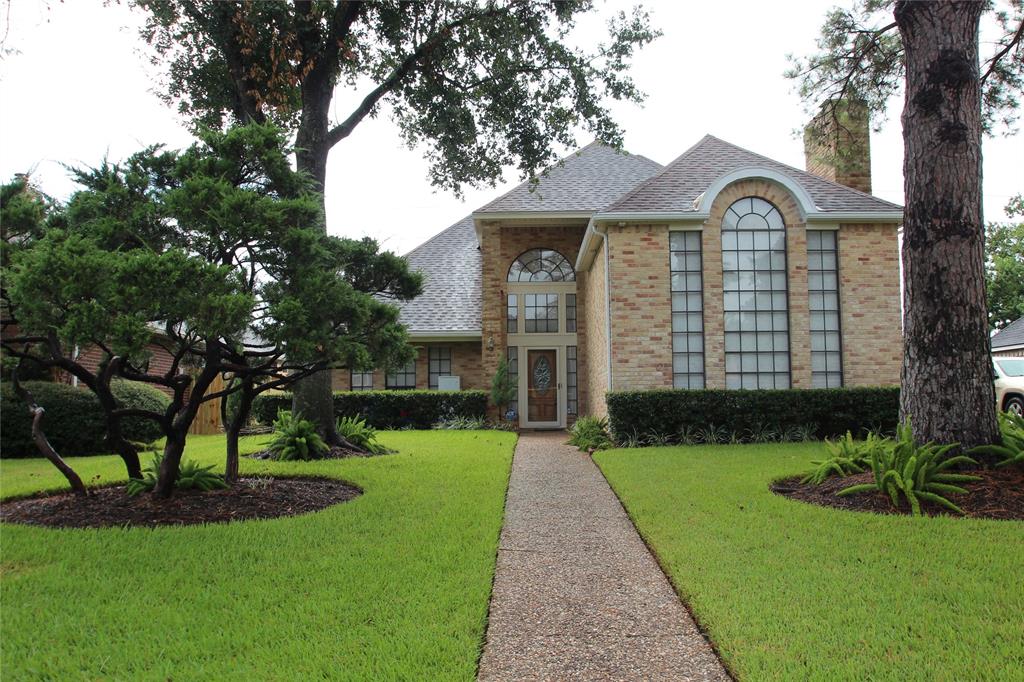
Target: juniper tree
[(478, 85)]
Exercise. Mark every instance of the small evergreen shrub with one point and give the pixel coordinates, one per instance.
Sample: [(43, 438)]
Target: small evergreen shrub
[(355, 431), (386, 409), (190, 475), (74, 422), (1011, 427), (915, 472), (795, 414), (296, 439), (590, 433)]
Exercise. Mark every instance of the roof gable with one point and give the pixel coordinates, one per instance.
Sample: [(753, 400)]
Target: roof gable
[(1010, 335), (587, 180), (678, 186)]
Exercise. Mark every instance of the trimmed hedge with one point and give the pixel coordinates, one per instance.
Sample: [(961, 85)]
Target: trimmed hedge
[(387, 409), (830, 411), (74, 422)]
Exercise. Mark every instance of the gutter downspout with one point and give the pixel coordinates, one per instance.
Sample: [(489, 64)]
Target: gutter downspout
[(607, 295)]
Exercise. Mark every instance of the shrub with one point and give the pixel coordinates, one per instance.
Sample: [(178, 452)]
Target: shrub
[(820, 413), (387, 409), (848, 456), (916, 472), (1011, 427), (190, 475), (296, 439), (462, 424), (590, 433), (355, 431), (74, 421)]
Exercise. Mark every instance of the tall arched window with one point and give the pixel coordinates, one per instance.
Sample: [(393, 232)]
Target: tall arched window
[(541, 265), (756, 297)]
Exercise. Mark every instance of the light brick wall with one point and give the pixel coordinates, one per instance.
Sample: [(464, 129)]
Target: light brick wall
[(869, 272), (593, 353), (466, 363), (640, 307), (641, 298)]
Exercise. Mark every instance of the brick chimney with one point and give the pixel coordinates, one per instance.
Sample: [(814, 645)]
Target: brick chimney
[(837, 145)]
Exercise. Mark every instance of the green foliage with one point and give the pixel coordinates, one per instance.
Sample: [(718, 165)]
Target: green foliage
[(74, 421), (355, 431), (190, 475), (915, 472), (590, 434), (846, 456), (1011, 427), (790, 415), (480, 85), (387, 409), (296, 439), (1004, 267), (860, 54), (462, 424), (503, 388)]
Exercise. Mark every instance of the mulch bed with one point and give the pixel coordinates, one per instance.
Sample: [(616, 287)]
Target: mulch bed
[(250, 498), (999, 495)]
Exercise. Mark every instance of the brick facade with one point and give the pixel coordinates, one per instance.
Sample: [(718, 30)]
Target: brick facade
[(593, 353), (466, 364)]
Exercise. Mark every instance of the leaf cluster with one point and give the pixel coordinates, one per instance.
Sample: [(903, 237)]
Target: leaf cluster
[(1011, 428), (296, 439), (590, 434), (915, 472), (191, 475)]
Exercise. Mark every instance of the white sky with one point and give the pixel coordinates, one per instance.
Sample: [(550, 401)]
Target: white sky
[(79, 88)]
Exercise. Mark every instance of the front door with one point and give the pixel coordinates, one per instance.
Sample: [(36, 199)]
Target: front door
[(542, 386)]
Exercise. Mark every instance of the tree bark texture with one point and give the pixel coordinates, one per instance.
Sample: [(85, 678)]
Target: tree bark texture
[(238, 420), (946, 379), (42, 443)]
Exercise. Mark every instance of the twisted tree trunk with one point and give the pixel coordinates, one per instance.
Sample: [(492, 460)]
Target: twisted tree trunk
[(946, 379), (42, 443)]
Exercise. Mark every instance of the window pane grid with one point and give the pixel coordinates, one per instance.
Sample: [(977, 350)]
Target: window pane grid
[(403, 378), (439, 364), (541, 265), (687, 310), (512, 314), (361, 381), (571, 394), (570, 312), (823, 300), (513, 372), (755, 296), (541, 313)]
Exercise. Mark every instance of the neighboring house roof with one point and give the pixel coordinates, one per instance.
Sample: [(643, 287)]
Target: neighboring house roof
[(451, 266), (587, 180), (676, 188), (1009, 336)]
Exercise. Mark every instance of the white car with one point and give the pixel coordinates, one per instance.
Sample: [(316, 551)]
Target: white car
[(1009, 376)]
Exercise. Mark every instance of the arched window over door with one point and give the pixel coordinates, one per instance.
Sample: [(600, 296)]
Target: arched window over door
[(541, 265)]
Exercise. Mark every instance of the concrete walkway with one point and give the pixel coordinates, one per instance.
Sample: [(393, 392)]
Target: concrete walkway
[(577, 595)]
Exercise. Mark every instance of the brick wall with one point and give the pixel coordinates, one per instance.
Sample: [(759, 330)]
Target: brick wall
[(641, 298), (593, 351), (466, 363)]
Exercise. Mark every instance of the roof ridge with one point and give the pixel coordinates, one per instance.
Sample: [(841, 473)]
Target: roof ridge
[(803, 172), (438, 235), (664, 169)]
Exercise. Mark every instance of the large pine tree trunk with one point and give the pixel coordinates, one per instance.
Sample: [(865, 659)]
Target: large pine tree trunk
[(312, 396), (947, 386)]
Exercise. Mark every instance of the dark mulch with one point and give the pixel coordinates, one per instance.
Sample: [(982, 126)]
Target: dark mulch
[(251, 498), (335, 452), (999, 495)]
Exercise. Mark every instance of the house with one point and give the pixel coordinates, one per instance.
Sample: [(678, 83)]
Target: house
[(1008, 342), (723, 269)]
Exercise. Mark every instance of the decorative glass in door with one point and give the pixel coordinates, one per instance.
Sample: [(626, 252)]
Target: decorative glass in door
[(542, 386)]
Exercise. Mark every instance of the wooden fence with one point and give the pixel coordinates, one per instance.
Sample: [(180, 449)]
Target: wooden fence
[(208, 419)]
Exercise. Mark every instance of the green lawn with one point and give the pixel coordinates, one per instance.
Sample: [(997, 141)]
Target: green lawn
[(791, 591), (392, 585)]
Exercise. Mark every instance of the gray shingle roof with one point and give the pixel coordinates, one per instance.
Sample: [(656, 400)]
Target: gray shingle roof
[(587, 180), (676, 187), (1010, 335), (451, 267)]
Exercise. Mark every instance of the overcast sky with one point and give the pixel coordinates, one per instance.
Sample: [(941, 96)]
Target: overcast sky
[(79, 87)]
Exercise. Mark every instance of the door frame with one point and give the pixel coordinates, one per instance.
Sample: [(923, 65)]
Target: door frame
[(560, 386)]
